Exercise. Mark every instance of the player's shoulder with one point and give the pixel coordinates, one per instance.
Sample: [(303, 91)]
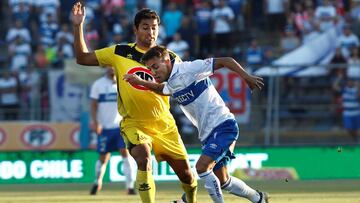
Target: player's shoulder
[(128, 51), (173, 55), (99, 81)]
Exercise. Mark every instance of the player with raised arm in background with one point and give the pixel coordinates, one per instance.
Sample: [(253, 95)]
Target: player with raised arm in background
[(147, 122), (189, 84), (106, 120)]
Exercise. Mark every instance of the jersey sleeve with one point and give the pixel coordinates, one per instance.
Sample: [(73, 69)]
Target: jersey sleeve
[(105, 56), (174, 56), (200, 68), (167, 89), (94, 91)]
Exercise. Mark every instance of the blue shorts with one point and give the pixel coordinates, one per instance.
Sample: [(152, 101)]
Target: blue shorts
[(351, 122), (217, 144), (110, 140)]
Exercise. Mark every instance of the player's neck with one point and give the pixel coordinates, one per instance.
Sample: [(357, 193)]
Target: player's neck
[(143, 47)]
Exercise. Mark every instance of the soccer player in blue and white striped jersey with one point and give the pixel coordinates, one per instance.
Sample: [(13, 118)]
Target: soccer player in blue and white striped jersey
[(189, 84), (106, 121)]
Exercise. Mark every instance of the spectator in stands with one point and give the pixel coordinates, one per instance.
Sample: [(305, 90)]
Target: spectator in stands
[(9, 96), (355, 11), (289, 41), (109, 5), (51, 54), (203, 26), (347, 41), (18, 29), (46, 8), (179, 46), (254, 54), (309, 18), (22, 13), (275, 11), (40, 59), (223, 17), (354, 64), (30, 93), (91, 36), (113, 22), (268, 55), (237, 6), (48, 30), (339, 61), (187, 31), (351, 105), (65, 33), (299, 16), (15, 5), (171, 18), (64, 50), (326, 14), (340, 7), (20, 52), (337, 77)]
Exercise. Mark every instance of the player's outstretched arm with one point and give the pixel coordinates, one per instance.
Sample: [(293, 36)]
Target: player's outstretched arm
[(230, 63), (82, 54), (153, 86)]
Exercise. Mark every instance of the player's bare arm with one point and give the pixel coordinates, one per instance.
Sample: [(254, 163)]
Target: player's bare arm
[(228, 62), (94, 108), (82, 54), (153, 86)]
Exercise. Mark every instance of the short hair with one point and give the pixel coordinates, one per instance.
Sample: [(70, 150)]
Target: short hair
[(156, 51), (145, 13)]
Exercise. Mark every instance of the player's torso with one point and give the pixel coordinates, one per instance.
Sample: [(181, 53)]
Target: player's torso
[(107, 103), (200, 101), (136, 102)]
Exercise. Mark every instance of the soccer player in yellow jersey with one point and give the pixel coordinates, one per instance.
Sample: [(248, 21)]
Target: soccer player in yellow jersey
[(147, 122)]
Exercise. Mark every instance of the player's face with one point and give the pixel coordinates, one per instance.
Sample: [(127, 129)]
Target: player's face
[(147, 33), (160, 68)]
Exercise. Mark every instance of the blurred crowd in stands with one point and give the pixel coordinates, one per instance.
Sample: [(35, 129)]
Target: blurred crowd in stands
[(36, 36)]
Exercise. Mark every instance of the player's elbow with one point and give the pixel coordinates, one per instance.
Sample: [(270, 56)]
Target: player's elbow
[(80, 61), (223, 62), (229, 59), (86, 59)]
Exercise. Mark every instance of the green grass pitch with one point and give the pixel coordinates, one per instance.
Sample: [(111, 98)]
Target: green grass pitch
[(320, 191)]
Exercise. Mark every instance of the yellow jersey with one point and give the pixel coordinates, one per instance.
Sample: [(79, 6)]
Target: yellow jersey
[(134, 102)]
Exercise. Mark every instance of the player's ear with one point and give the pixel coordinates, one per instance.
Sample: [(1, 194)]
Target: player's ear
[(134, 29), (167, 61)]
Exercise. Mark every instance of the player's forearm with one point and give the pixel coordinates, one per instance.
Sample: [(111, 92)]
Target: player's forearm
[(155, 87), (93, 109), (231, 64), (79, 44)]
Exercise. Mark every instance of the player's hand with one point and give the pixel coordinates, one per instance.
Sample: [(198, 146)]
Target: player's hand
[(254, 82), (97, 128), (133, 79), (78, 14)]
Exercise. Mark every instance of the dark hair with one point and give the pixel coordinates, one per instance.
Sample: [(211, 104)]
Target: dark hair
[(145, 13), (156, 51)]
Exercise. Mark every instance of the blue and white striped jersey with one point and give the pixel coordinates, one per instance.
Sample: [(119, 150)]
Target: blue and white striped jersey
[(190, 85), (351, 101), (104, 91)]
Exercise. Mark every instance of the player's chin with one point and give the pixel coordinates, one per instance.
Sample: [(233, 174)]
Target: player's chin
[(151, 42)]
